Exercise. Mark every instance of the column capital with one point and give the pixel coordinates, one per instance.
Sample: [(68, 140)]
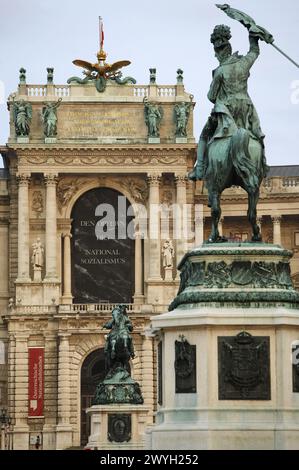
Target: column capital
[(50, 179), (63, 336), (67, 234), (23, 179), (276, 219), (154, 179), (181, 179)]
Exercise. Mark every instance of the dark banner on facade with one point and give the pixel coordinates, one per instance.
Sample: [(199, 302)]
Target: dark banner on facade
[(36, 381), (102, 253)]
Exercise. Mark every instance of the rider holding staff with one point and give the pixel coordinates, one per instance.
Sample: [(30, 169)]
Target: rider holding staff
[(119, 325), (233, 107)]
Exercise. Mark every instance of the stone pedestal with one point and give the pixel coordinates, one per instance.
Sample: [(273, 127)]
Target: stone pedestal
[(154, 140), (117, 426), (37, 274), (50, 140), (168, 273), (23, 140), (225, 367), (181, 140)]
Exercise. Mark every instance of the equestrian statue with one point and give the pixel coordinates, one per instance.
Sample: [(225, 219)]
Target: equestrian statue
[(231, 149)]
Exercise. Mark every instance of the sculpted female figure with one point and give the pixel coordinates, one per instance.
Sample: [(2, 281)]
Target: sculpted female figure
[(22, 112), (50, 118)]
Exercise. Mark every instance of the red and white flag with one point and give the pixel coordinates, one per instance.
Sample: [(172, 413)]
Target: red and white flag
[(101, 32)]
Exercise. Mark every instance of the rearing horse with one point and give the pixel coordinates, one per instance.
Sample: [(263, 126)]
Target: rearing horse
[(235, 160)]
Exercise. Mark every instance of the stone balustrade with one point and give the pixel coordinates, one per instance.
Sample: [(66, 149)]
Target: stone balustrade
[(95, 308), (164, 92)]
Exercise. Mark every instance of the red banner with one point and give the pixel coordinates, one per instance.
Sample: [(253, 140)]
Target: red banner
[(36, 381)]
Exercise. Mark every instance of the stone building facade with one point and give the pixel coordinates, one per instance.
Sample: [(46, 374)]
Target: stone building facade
[(53, 297), (49, 191)]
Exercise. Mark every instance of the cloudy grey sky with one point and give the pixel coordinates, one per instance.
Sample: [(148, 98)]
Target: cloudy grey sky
[(165, 34)]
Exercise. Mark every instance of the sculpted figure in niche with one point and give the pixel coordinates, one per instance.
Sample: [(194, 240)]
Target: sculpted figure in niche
[(37, 202), (37, 258), (168, 254)]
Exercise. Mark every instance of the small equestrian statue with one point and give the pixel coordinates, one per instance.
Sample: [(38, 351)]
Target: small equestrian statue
[(118, 385), (119, 347)]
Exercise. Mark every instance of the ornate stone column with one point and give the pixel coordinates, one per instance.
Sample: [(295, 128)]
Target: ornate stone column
[(67, 284), (11, 364), (21, 392), (138, 295), (51, 228), (154, 228), (4, 258), (64, 399), (148, 373), (23, 228), (220, 226), (276, 220), (64, 435), (199, 230), (179, 218)]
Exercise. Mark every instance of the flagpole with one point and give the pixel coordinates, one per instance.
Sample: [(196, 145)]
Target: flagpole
[(284, 54), (101, 32)]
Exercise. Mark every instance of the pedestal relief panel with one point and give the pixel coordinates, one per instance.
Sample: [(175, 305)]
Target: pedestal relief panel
[(119, 427), (295, 357), (244, 367), (185, 366)]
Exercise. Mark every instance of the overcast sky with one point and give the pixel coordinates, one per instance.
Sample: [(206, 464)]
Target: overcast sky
[(165, 34)]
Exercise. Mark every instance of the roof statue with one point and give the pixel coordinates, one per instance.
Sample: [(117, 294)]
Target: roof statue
[(100, 72)]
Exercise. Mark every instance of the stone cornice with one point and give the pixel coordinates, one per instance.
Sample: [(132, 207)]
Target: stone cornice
[(117, 161), (240, 198), (87, 147)]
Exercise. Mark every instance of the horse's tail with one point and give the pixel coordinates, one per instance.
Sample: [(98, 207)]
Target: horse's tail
[(241, 160)]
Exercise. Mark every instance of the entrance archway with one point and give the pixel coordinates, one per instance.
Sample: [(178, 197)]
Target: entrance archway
[(92, 372), (103, 252)]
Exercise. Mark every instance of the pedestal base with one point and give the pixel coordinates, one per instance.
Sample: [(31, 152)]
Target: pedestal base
[(37, 274), (117, 427), (168, 273), (23, 140), (225, 368), (64, 436)]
